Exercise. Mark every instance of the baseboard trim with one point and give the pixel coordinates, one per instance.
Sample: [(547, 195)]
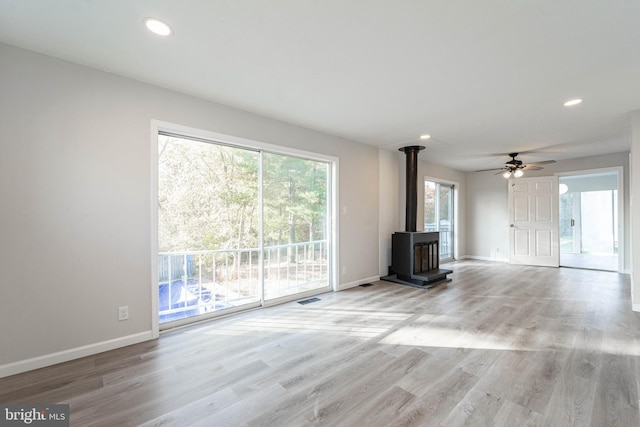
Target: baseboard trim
[(485, 258), (636, 307), (345, 286), (71, 354)]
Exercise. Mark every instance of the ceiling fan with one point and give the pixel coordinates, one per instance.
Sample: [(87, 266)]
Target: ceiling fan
[(516, 168)]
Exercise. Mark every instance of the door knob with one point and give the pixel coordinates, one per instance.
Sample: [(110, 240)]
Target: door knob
[(512, 226)]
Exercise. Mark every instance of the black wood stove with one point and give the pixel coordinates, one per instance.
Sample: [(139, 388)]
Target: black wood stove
[(415, 255)]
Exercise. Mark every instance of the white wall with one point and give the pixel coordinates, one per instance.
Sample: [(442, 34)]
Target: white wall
[(487, 216), (389, 206), (76, 201), (487, 201)]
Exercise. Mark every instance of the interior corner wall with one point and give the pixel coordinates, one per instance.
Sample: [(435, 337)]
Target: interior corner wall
[(75, 179), (635, 211)]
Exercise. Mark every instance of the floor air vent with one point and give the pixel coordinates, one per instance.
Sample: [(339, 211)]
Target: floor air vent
[(308, 301)]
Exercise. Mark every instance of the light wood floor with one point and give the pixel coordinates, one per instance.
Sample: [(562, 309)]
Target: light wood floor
[(498, 346), (604, 262)]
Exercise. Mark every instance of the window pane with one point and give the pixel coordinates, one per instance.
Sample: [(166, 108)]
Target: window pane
[(295, 225), (207, 227), (445, 220), (430, 208), (598, 213), (444, 207), (438, 214), (567, 223)]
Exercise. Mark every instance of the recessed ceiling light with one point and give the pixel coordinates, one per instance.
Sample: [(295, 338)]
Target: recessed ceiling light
[(158, 27), (572, 102), (425, 136)]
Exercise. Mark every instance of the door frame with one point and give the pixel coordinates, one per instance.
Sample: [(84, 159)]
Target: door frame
[(621, 218)]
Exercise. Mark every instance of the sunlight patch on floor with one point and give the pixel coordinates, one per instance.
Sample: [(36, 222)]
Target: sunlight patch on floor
[(360, 323), (620, 347), (428, 336)]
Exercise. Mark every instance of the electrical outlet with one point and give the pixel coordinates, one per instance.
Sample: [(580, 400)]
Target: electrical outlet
[(123, 313), (344, 270)]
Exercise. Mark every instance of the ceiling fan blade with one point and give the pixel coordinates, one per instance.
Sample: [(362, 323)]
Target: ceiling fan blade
[(514, 164), (545, 162), (487, 170)]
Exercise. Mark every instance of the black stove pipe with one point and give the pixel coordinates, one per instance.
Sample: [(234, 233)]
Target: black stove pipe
[(411, 153)]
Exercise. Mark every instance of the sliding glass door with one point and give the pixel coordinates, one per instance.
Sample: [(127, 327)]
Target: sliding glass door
[(439, 214), (238, 227), (295, 233), (208, 227), (589, 228)]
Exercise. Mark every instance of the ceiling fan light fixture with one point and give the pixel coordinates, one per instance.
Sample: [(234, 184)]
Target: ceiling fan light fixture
[(515, 168), (572, 102), (158, 27)]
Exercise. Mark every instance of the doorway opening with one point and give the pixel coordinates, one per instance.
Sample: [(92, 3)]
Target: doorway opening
[(590, 220)]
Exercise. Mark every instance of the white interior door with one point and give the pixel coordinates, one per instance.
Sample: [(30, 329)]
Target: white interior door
[(533, 221)]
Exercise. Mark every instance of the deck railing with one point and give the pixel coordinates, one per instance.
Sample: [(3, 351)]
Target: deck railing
[(445, 238), (196, 282)]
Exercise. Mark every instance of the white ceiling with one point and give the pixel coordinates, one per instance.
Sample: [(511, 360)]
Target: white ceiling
[(483, 77)]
